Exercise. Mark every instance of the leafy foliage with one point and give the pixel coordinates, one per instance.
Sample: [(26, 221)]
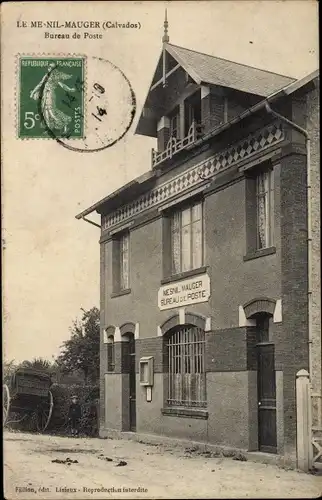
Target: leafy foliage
[(8, 369), (81, 351), (89, 400), (38, 364), (71, 378)]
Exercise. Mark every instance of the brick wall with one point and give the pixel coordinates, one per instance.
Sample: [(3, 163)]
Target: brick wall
[(226, 350), (251, 341), (151, 347), (232, 349), (312, 126), (239, 102), (235, 108), (293, 346), (212, 111)]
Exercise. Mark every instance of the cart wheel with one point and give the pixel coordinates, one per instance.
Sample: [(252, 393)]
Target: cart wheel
[(6, 403), (44, 413)]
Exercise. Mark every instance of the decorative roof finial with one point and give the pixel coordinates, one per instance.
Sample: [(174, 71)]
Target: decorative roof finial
[(165, 38)]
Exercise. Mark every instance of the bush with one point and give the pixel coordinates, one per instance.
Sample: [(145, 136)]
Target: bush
[(88, 399)]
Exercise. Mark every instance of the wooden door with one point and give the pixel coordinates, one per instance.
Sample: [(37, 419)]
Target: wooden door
[(132, 392), (267, 439)]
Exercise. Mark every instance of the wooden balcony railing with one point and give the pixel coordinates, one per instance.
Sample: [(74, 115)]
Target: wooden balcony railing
[(175, 145)]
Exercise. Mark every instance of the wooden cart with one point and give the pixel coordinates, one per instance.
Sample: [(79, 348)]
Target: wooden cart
[(27, 395)]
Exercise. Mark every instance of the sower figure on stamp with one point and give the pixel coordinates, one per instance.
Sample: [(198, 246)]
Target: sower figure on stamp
[(74, 415), (46, 90)]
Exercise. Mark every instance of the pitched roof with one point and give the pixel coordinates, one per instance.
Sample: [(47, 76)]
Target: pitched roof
[(214, 70)]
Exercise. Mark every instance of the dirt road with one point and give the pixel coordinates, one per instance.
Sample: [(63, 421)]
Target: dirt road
[(150, 472)]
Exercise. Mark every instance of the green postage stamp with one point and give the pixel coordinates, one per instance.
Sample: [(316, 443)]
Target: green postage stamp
[(51, 97)]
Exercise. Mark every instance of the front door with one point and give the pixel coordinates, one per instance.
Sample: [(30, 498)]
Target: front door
[(267, 441), (132, 392)]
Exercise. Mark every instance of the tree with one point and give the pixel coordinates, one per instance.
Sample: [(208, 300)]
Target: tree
[(81, 351), (8, 369)]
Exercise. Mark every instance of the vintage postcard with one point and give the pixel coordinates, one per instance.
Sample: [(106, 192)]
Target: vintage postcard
[(161, 249)]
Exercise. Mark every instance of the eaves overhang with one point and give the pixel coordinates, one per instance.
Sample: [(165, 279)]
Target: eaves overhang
[(133, 188), (146, 181)]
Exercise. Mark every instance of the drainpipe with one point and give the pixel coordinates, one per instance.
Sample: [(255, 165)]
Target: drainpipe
[(91, 222), (309, 221)]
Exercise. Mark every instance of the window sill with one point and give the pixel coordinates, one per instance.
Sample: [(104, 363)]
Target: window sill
[(255, 254), (185, 413), (121, 292), (186, 274)]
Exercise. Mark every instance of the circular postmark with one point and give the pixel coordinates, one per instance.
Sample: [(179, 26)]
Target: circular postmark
[(87, 107)]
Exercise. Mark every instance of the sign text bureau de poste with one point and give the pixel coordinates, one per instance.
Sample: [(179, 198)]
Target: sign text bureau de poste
[(184, 293)]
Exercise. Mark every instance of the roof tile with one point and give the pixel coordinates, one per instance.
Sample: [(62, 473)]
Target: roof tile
[(217, 71)]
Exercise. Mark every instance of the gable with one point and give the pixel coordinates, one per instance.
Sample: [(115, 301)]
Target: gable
[(170, 64), (202, 69)]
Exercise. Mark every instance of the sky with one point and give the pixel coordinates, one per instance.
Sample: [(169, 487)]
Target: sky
[(50, 259)]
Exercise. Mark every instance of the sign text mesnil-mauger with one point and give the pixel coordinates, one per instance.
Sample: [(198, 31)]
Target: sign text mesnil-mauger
[(184, 293)]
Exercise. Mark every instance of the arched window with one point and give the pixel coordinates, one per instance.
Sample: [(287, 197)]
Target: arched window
[(110, 353), (186, 362)]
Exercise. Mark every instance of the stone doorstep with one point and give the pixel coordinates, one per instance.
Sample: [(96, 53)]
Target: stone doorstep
[(252, 456)]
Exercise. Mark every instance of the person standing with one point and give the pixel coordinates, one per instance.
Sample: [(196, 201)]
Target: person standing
[(74, 415)]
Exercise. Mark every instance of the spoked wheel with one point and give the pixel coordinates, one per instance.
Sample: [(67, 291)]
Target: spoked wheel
[(6, 403), (44, 413)]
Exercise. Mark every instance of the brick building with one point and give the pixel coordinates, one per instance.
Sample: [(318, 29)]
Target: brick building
[(210, 273)]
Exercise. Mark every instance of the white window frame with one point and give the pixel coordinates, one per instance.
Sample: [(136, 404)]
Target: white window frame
[(124, 261), (175, 115), (184, 262), (265, 209), (190, 109)]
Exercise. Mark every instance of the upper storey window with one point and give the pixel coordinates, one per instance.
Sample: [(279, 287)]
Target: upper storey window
[(175, 124), (121, 263), (264, 206), (187, 238), (192, 111), (260, 212), (124, 261)]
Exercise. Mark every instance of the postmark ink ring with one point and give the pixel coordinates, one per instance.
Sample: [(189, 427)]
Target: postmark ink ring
[(86, 104)]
